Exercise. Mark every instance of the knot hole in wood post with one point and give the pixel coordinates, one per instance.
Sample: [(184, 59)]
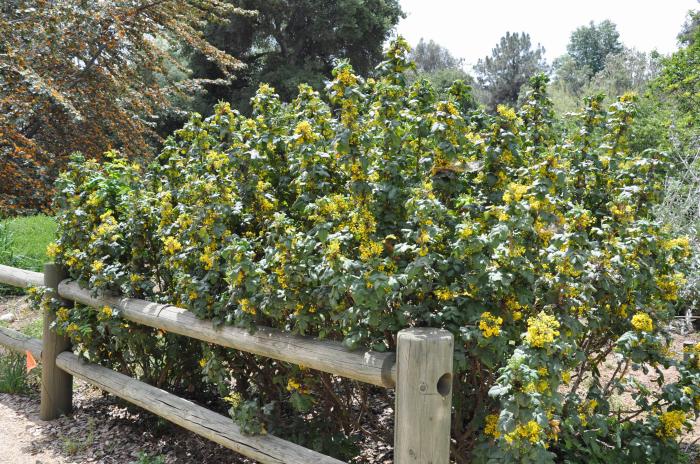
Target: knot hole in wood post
[(423, 396)]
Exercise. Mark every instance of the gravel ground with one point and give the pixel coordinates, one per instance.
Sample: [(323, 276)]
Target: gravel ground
[(99, 431)]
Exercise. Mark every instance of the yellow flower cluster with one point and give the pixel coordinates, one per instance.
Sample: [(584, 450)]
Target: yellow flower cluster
[(670, 285), (586, 410), (97, 266), (52, 250), (105, 313), (490, 325), (642, 322), (370, 249), (515, 308), (444, 294), (507, 112), (682, 243), (541, 329), (294, 385), (529, 431), (514, 192), (333, 249), (246, 307), (305, 132), (346, 77), (491, 427), (172, 245), (671, 424), (62, 314)]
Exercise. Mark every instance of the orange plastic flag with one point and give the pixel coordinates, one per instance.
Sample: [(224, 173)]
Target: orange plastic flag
[(31, 362)]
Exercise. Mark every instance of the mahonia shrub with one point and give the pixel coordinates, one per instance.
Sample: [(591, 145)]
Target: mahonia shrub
[(375, 205)]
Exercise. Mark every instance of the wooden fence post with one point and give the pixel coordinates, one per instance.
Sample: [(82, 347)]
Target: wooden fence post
[(423, 396), (56, 385)]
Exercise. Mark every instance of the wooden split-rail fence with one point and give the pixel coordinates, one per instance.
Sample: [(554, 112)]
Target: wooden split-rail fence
[(420, 372)]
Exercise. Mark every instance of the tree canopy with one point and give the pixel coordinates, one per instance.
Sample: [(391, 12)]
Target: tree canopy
[(87, 76), (590, 45), (431, 56), (292, 42), (512, 62)]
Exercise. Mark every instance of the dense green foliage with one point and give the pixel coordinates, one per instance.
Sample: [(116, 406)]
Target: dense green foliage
[(374, 206), (590, 45), (289, 43), (511, 64)]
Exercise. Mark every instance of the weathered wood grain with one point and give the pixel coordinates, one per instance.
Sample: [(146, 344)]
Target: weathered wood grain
[(20, 343), (56, 385), (220, 429), (423, 396), (20, 277), (370, 367)]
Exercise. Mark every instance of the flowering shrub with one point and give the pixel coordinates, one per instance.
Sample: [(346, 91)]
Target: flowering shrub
[(375, 206)]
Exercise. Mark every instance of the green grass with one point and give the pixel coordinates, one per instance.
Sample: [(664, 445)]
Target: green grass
[(13, 374), (23, 241)]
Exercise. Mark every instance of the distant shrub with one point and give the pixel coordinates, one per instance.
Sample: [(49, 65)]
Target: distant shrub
[(373, 207)]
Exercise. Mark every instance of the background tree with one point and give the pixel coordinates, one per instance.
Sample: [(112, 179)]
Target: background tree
[(292, 42), (691, 25), (590, 45), (628, 71), (88, 76), (431, 56), (512, 62), (436, 64)]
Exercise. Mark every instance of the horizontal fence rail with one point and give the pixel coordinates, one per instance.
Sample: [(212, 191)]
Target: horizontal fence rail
[(215, 427), (19, 342), (370, 367), (20, 277), (422, 377)]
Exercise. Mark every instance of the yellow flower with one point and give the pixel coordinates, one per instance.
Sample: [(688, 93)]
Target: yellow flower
[(566, 377), (514, 192), (529, 431), (444, 294), (491, 427), (62, 314), (97, 266), (333, 249), (490, 325), (52, 250), (207, 261), (294, 385), (369, 250), (465, 231), (669, 285), (506, 112), (246, 306), (541, 329), (305, 131), (172, 245), (671, 424), (346, 77), (642, 322)]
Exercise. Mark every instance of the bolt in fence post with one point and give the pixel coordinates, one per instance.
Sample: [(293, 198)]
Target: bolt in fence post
[(423, 396), (56, 385)]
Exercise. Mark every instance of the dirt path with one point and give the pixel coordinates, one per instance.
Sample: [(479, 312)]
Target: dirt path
[(22, 434)]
